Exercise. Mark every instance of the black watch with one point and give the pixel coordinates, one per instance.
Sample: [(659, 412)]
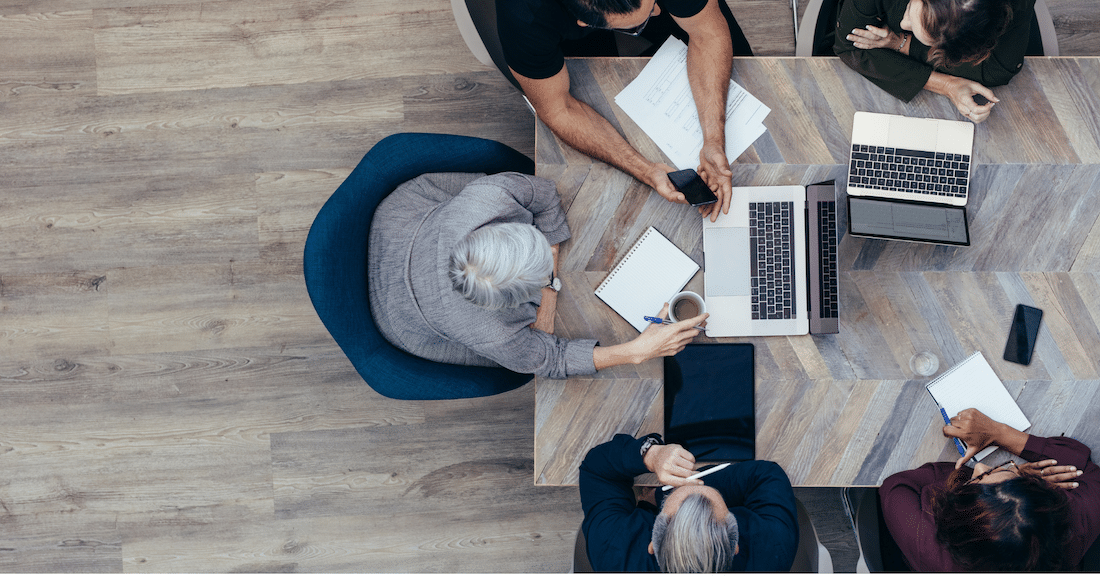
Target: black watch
[(651, 441)]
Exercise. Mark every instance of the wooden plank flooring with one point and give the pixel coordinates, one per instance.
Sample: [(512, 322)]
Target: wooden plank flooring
[(169, 401)]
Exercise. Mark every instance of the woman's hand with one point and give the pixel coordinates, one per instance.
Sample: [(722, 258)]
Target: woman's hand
[(979, 431), (666, 339), (1060, 476), (672, 464), (961, 92), (874, 37)]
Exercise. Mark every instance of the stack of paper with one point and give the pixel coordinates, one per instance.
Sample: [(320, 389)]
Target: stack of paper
[(659, 100)]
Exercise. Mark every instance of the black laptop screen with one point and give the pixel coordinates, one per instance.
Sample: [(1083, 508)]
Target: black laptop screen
[(904, 220), (710, 402)]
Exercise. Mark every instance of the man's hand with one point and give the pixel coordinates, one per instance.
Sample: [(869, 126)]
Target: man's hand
[(1060, 476), (672, 464), (874, 37), (714, 169), (961, 93), (657, 177)]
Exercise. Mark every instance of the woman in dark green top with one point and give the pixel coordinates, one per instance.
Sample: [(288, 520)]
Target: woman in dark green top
[(957, 48)]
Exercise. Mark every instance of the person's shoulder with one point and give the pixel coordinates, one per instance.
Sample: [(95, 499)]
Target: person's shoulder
[(682, 8), (529, 12)]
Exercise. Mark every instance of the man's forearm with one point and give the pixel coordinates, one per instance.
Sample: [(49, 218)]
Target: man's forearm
[(709, 62), (581, 127)]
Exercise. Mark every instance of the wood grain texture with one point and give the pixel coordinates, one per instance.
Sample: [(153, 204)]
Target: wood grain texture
[(848, 409), (162, 163)]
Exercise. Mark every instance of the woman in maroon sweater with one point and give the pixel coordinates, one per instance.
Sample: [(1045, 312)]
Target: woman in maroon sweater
[(1040, 515)]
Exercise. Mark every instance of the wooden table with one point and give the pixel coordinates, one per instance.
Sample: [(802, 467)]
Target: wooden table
[(846, 409)]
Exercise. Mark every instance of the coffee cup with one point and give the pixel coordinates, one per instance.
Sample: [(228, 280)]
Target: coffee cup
[(686, 305)]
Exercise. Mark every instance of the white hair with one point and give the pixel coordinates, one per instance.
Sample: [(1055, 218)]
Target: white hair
[(693, 540), (501, 265)]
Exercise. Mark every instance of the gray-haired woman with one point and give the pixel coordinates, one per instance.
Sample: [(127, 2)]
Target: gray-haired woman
[(462, 270)]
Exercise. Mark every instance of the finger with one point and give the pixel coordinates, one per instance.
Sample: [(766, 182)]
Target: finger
[(989, 95), (971, 451), (878, 33), (1061, 478), (664, 312)]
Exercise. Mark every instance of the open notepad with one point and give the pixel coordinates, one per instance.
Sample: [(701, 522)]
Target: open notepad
[(652, 272), (973, 384)]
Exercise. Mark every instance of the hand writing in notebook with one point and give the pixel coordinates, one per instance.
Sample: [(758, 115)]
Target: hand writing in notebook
[(978, 431)]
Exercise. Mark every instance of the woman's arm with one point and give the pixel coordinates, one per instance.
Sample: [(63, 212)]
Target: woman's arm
[(655, 341), (893, 71)]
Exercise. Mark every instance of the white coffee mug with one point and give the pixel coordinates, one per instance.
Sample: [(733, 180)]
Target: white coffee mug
[(686, 295)]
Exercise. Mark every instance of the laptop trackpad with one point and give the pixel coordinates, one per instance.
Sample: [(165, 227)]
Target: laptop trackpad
[(727, 272)]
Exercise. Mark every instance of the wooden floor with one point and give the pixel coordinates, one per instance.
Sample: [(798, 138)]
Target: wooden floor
[(169, 401)]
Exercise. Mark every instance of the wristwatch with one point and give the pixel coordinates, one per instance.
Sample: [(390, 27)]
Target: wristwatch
[(554, 283), (651, 441)]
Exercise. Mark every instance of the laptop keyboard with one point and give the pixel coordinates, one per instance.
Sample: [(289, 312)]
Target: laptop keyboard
[(771, 251), (913, 171), (826, 217)]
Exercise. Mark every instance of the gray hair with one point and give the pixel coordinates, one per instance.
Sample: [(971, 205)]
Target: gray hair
[(501, 265), (693, 540)]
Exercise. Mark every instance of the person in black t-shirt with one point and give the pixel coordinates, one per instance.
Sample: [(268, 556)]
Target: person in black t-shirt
[(532, 33)]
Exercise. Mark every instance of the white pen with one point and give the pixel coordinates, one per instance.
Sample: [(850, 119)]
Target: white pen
[(699, 475)]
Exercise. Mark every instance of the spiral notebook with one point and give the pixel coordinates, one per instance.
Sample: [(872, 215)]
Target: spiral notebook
[(973, 384), (651, 273)]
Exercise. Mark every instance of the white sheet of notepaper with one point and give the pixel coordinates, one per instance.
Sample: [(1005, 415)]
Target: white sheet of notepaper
[(659, 101)]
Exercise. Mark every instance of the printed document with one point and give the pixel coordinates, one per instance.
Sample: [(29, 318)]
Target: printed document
[(659, 100)]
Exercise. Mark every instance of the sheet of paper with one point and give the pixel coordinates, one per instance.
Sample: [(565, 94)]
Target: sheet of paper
[(659, 100)]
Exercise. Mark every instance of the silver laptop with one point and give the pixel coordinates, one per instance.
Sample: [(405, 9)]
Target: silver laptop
[(769, 266), (920, 159)]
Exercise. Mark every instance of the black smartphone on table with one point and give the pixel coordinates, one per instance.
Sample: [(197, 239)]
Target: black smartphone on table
[(1022, 335), (692, 187)]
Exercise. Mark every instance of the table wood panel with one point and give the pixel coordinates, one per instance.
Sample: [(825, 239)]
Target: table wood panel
[(847, 409)]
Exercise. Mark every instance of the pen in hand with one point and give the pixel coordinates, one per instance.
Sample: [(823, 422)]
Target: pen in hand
[(655, 320), (958, 443), (699, 475)]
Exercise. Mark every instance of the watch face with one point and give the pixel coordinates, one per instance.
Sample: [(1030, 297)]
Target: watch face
[(556, 284)]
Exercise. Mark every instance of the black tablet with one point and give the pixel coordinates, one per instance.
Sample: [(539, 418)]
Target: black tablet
[(710, 404)]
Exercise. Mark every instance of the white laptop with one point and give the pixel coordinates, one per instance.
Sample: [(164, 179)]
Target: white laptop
[(758, 263), (903, 158)]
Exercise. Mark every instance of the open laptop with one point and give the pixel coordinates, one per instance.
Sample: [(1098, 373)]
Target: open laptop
[(770, 265), (917, 159)]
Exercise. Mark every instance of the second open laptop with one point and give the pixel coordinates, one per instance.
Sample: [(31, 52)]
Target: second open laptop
[(770, 266), (918, 159)]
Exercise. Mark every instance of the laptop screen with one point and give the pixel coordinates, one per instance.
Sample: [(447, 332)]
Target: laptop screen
[(710, 401), (906, 220)]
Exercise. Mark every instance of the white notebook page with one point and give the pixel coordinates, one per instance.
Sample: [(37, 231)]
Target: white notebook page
[(651, 273), (973, 384)]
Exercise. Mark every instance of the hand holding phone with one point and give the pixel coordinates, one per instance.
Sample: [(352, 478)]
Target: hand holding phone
[(691, 185)]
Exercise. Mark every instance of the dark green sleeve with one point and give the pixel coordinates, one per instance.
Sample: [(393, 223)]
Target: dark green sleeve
[(901, 76)]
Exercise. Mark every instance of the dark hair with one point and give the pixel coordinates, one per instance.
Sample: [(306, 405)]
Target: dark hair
[(592, 12), (1018, 524), (964, 31)]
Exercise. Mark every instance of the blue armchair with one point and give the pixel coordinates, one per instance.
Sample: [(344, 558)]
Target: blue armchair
[(335, 265)]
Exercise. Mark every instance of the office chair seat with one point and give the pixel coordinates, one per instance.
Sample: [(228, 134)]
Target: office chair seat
[(335, 265)]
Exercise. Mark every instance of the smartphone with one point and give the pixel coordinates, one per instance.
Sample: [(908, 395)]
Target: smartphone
[(692, 187), (1022, 335)]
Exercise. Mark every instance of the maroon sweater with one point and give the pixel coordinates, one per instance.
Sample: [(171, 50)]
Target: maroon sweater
[(907, 506)]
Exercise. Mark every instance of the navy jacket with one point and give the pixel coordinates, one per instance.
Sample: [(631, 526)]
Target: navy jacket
[(617, 532)]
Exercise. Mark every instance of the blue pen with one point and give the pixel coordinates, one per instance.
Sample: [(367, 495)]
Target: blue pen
[(958, 443), (654, 320)]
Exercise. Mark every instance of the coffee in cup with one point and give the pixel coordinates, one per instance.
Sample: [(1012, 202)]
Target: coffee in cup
[(685, 305)]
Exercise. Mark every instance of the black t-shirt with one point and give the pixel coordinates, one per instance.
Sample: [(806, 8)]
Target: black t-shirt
[(531, 32)]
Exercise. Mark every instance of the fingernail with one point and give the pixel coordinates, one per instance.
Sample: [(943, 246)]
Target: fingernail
[(1072, 468), (1075, 484), (1079, 472)]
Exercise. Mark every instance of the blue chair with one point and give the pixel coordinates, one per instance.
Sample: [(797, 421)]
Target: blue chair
[(335, 265)]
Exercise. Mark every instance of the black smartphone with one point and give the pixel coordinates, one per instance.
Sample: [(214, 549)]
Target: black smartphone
[(1022, 335), (692, 187)]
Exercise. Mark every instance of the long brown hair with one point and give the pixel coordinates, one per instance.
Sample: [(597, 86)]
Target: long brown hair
[(963, 31), (1019, 524)]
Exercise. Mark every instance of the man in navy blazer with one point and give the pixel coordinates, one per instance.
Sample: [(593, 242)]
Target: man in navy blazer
[(742, 518)]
